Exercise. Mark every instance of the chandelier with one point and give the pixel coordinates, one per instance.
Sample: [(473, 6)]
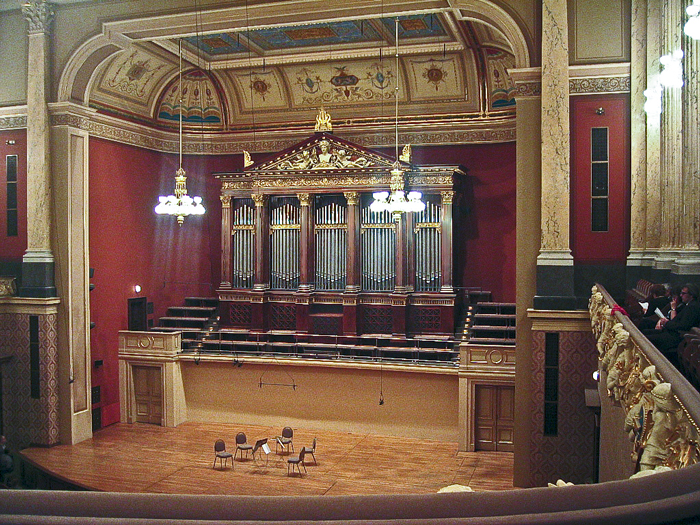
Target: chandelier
[(397, 201), (180, 205)]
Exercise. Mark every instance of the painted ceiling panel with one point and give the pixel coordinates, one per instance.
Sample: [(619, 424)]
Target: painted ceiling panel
[(131, 80), (258, 89), (314, 35), (341, 83), (436, 78)]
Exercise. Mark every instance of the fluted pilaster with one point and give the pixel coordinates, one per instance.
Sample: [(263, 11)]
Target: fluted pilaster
[(671, 142)]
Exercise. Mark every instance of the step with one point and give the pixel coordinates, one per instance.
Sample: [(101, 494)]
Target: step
[(202, 309), (496, 308), (202, 301), (494, 319), (491, 341)]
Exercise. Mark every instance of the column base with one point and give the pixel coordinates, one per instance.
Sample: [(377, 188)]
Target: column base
[(555, 287), (38, 275)]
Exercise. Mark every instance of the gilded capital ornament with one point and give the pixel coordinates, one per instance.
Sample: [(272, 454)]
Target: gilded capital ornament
[(39, 15), (304, 199), (447, 196), (225, 201), (259, 199), (352, 197)]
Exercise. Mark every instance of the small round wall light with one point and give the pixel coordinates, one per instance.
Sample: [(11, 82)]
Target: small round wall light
[(596, 375), (137, 288)]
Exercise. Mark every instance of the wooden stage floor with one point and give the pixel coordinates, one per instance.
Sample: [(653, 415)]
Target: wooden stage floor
[(148, 458)]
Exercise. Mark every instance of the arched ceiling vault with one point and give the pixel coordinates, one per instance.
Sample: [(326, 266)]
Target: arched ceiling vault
[(271, 66)]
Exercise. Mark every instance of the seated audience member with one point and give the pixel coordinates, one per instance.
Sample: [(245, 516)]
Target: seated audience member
[(6, 461), (660, 296), (669, 332)]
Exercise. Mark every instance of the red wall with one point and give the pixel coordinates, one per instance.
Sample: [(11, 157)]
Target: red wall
[(609, 247), (12, 248), (485, 218), (130, 244)]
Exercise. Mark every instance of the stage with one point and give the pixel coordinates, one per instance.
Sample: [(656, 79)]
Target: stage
[(144, 458)]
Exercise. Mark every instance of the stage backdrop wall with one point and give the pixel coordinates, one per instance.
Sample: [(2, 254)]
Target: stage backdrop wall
[(12, 248), (130, 245)]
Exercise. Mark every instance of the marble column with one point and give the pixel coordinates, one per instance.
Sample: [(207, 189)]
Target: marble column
[(688, 261), (653, 133), (671, 142), (401, 285), (638, 135), (555, 273), (38, 261), (225, 241)]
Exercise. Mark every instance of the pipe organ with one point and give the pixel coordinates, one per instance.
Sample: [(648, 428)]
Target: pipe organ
[(303, 252)]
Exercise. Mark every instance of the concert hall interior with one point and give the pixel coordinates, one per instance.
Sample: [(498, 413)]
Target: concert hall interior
[(222, 216)]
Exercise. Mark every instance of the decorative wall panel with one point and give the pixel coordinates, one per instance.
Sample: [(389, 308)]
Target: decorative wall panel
[(28, 420), (569, 455)]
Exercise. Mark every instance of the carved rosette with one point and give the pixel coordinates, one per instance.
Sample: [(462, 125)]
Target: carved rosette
[(39, 14)]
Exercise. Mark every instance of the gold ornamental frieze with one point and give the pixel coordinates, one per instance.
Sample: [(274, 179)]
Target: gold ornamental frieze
[(424, 301), (234, 298)]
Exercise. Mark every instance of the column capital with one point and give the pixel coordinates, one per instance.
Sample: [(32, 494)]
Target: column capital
[(39, 14), (259, 199), (304, 199), (447, 196), (225, 201), (352, 197)]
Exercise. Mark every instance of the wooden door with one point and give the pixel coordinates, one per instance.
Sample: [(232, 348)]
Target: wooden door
[(149, 394), (494, 410)]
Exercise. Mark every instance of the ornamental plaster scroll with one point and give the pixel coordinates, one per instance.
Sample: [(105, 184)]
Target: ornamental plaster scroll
[(662, 432), (599, 85)]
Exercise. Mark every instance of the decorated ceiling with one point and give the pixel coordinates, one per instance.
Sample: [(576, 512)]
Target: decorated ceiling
[(278, 76)]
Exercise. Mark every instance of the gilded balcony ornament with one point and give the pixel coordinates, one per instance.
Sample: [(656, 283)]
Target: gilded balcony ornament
[(247, 159)]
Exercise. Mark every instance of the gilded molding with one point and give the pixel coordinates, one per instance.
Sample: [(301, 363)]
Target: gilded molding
[(529, 89)]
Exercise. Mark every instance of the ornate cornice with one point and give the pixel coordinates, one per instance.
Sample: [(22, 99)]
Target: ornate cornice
[(13, 122), (134, 134)]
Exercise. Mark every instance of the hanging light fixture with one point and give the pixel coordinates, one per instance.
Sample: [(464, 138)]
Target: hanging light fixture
[(397, 201), (692, 26), (180, 205)]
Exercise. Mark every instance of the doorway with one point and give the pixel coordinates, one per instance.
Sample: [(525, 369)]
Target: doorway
[(138, 314), (148, 392), (495, 414)]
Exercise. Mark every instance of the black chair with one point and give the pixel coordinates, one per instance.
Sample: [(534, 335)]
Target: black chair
[(297, 460), (285, 440), (242, 445), (221, 454), (311, 450)]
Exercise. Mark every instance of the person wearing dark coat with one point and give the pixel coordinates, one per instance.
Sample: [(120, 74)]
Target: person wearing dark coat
[(669, 332)]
